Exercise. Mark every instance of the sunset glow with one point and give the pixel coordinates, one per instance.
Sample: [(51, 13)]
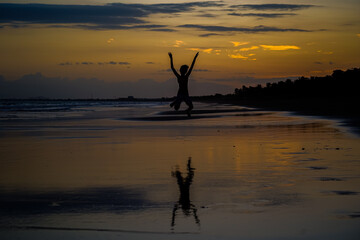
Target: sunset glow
[(240, 42)]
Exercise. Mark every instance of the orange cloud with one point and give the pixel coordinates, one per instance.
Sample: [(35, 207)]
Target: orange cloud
[(238, 56), (236, 44), (248, 49), (110, 40), (279, 47), (193, 49), (178, 43), (358, 35), (322, 52), (207, 50)]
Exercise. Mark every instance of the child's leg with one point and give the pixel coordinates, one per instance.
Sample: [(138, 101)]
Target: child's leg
[(177, 104), (189, 103), (173, 103)]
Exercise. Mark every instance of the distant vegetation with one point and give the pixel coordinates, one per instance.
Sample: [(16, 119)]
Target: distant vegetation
[(335, 95), (339, 84)]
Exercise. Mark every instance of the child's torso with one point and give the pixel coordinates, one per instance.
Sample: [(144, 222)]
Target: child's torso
[(183, 85)]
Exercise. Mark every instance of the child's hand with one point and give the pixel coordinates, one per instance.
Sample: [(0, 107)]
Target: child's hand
[(170, 54), (197, 54)]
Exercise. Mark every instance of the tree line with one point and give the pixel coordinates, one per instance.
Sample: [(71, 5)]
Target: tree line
[(339, 84)]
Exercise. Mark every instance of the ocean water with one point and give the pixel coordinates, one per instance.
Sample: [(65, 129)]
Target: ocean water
[(43, 109), (110, 170)]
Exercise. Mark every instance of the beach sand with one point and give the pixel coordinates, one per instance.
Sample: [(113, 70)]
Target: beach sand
[(113, 173)]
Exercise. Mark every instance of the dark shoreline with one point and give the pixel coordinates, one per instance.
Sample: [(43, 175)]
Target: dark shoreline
[(343, 110)]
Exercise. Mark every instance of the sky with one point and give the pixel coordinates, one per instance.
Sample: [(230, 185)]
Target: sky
[(108, 49)]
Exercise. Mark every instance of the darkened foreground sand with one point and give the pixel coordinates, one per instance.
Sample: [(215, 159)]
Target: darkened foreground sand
[(126, 172), (342, 109), (197, 114)]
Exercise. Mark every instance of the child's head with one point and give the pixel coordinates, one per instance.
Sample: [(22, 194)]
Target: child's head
[(184, 69)]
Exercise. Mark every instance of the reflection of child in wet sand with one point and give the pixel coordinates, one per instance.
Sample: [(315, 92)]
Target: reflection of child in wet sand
[(183, 93), (184, 187)]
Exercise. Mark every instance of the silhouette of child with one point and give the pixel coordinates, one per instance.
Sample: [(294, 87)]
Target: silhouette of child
[(184, 202), (183, 78)]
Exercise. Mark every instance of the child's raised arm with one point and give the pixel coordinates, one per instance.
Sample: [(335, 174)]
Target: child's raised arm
[(192, 65), (172, 65)]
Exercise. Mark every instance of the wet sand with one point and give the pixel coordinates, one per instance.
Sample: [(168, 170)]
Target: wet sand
[(340, 109), (123, 172)]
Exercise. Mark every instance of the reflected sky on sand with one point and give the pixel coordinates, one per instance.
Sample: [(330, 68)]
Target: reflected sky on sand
[(235, 173)]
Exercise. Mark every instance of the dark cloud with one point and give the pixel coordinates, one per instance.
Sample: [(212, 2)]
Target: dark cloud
[(12, 25), (50, 13), (207, 15), (320, 63), (124, 63), (272, 7), (117, 27), (93, 17), (209, 35), (262, 15), (36, 85), (255, 29), (162, 30), (150, 63), (178, 7), (65, 63)]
